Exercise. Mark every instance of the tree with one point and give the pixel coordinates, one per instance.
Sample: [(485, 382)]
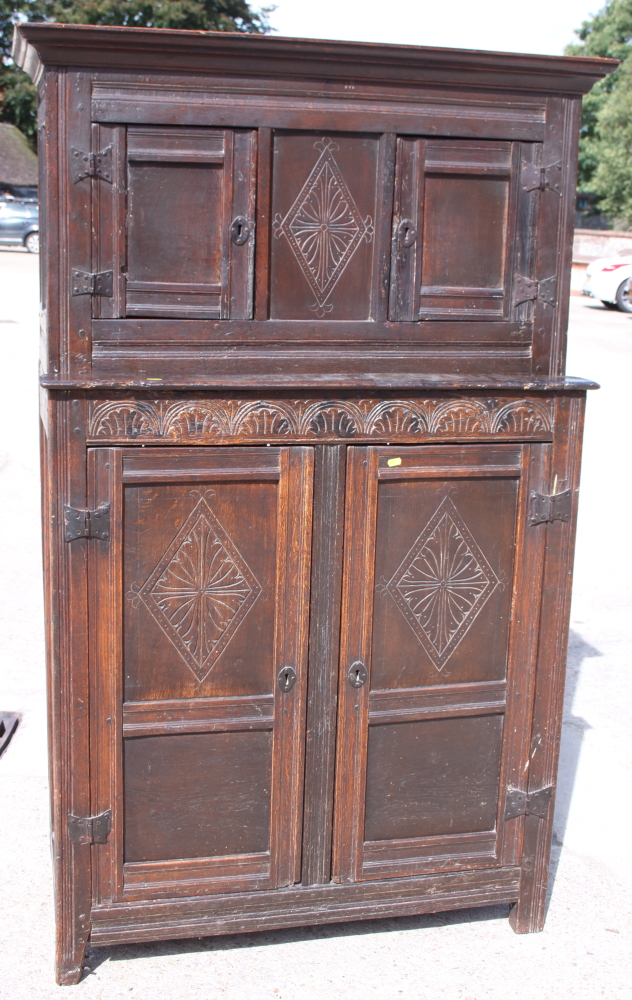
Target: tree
[(18, 98), (605, 147)]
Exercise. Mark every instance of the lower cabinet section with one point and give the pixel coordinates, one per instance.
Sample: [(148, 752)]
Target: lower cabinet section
[(200, 611), (320, 681)]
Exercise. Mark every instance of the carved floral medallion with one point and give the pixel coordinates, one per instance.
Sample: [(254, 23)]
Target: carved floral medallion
[(324, 226), (200, 591), (442, 583)]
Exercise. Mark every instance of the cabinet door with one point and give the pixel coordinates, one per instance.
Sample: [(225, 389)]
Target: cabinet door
[(199, 609), (176, 225), (440, 610), (463, 227)]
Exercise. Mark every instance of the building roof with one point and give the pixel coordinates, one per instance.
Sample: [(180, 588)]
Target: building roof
[(18, 162)]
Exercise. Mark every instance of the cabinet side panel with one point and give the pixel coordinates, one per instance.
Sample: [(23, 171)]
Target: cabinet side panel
[(555, 234), (528, 914), (68, 687)]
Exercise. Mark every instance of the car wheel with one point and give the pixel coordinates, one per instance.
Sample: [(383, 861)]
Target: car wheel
[(608, 305), (31, 242), (624, 301)]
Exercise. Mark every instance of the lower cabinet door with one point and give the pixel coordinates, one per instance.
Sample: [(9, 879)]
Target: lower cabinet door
[(199, 615), (438, 641)]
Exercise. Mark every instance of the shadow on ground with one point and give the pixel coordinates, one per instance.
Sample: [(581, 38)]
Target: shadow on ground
[(291, 935)]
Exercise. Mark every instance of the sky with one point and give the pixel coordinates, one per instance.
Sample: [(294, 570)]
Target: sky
[(539, 26)]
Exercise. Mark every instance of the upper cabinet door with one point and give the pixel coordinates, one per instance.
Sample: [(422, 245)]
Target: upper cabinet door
[(177, 225), (462, 229)]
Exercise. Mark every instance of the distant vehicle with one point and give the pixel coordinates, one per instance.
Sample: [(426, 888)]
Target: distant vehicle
[(19, 220), (607, 279)]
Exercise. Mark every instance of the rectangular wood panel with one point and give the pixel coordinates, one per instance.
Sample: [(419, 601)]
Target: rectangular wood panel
[(430, 778), (197, 796)]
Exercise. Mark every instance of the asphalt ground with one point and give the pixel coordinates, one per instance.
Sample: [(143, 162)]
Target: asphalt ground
[(585, 950)]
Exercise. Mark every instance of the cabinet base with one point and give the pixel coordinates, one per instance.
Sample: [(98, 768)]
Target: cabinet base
[(245, 912)]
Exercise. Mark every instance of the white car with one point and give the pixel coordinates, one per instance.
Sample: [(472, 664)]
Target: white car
[(607, 279)]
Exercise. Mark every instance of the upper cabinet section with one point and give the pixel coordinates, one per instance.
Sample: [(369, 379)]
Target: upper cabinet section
[(227, 210)]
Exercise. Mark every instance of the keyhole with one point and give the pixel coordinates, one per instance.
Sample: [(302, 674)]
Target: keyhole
[(286, 678), (240, 230), (357, 674), (406, 232)]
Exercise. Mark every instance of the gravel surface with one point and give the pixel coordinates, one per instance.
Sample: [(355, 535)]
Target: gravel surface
[(585, 950)]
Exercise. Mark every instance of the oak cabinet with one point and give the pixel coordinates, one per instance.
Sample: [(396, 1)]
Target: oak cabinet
[(310, 476)]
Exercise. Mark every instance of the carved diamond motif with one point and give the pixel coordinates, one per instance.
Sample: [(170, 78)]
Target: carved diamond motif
[(324, 227), (200, 591), (442, 583)]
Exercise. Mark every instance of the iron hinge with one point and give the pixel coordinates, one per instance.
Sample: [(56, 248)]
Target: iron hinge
[(535, 177), (87, 523), (520, 803), (91, 164), (90, 829), (556, 507), (85, 283), (527, 290)]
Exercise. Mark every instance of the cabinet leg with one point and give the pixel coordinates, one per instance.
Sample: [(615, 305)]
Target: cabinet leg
[(70, 958), (528, 914)]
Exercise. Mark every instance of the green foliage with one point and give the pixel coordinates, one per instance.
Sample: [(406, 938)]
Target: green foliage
[(605, 148), (18, 99)]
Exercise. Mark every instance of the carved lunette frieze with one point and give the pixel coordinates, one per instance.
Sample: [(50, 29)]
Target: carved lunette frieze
[(213, 420)]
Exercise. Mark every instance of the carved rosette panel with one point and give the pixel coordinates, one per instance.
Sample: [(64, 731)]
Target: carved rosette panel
[(212, 420), (200, 591), (442, 583), (324, 227)]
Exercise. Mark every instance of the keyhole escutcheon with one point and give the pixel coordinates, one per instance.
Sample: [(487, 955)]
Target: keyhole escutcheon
[(357, 674), (240, 230), (406, 233), (286, 678)]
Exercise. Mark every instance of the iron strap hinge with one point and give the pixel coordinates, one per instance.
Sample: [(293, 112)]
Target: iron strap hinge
[(534, 177), (557, 507), (520, 803), (91, 164), (85, 283), (527, 290), (90, 829), (87, 523)]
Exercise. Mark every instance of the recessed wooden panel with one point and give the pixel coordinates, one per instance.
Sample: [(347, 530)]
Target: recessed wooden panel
[(443, 566), (464, 231), (199, 569), (435, 777), (175, 222), (324, 209), (197, 796)]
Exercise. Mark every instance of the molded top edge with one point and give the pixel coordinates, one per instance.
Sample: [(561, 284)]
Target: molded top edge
[(36, 45)]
